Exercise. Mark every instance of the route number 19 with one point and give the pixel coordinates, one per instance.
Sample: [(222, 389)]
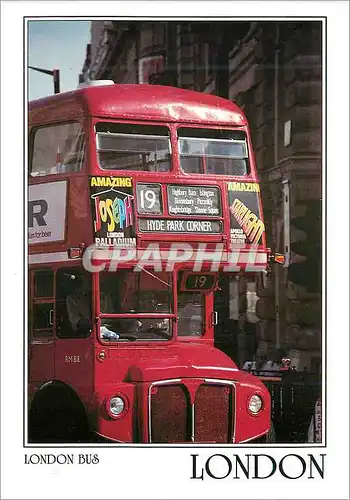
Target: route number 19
[(149, 199), (200, 281)]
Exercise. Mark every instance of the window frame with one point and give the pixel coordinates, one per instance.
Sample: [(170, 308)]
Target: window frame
[(34, 300), (31, 148), (141, 129), (38, 300), (73, 334), (189, 132)]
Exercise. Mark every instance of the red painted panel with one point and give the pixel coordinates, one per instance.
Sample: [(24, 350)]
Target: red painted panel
[(41, 360), (74, 365), (158, 102)]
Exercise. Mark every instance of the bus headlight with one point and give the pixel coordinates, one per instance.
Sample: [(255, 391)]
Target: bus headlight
[(115, 406), (255, 404)]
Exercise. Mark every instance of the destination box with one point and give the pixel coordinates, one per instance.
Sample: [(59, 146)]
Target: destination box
[(194, 200), (180, 226)]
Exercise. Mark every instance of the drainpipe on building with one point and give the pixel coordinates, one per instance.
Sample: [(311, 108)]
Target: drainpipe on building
[(277, 273), (171, 66), (286, 221), (277, 288)]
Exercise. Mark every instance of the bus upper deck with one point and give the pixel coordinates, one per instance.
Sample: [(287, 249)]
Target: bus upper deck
[(160, 164)]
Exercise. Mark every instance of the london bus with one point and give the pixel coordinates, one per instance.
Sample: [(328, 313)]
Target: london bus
[(139, 197)]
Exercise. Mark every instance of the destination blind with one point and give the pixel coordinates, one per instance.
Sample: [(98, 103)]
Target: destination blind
[(194, 200), (180, 226)]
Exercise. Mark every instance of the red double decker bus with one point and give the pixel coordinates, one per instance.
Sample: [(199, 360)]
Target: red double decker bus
[(139, 197)]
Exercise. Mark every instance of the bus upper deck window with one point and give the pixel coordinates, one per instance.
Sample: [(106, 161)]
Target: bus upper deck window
[(133, 147), (58, 149), (213, 151)]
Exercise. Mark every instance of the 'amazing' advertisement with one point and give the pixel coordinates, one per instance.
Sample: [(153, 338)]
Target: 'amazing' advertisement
[(245, 223), (112, 204)]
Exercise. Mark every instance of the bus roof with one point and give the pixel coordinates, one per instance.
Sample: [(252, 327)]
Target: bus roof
[(137, 101)]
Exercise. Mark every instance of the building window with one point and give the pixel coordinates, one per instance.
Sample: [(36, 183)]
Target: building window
[(150, 67)]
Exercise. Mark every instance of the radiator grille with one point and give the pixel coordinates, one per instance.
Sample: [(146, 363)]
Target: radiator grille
[(170, 422), (213, 417), (172, 418)]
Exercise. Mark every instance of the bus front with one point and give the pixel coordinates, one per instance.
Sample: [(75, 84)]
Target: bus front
[(173, 205)]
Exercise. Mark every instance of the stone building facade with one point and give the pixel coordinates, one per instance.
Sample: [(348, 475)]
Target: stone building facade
[(273, 70)]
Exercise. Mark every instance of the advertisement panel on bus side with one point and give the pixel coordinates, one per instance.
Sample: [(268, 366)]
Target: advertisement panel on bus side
[(246, 225), (47, 206), (113, 211)]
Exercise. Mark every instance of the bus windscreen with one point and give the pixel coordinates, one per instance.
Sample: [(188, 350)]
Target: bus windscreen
[(140, 293)]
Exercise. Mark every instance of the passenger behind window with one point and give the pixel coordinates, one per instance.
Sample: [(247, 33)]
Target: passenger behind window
[(190, 318)]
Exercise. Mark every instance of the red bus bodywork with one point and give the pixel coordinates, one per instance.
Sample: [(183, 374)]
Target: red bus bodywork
[(179, 390)]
